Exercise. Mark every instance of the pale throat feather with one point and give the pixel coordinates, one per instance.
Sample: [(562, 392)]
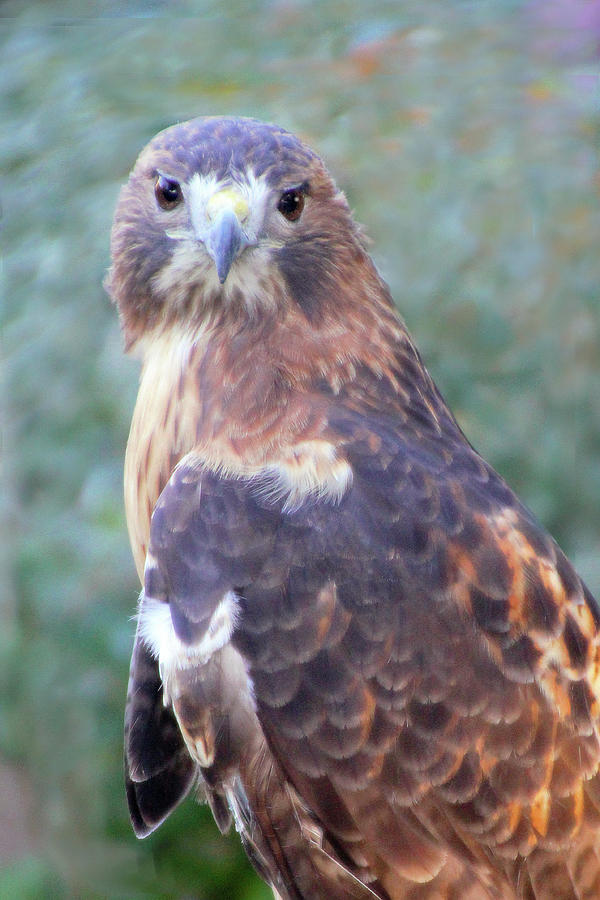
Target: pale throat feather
[(163, 427)]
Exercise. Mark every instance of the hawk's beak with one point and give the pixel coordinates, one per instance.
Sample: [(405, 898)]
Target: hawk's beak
[(227, 210)]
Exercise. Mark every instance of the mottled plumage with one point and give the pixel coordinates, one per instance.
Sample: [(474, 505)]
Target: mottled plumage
[(351, 635)]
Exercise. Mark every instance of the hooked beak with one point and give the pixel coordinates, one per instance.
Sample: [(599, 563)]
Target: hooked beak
[(227, 211)]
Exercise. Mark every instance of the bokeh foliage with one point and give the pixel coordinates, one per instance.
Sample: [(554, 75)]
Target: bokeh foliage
[(465, 136)]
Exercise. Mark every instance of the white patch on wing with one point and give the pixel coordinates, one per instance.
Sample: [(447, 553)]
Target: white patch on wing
[(312, 470), (309, 470), (156, 629)]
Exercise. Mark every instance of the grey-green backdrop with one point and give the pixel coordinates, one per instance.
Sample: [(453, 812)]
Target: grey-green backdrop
[(464, 134)]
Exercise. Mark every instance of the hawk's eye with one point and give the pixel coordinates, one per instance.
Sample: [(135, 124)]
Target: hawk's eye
[(291, 204), (168, 192)]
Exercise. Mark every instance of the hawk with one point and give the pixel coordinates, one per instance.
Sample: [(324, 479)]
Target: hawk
[(352, 637)]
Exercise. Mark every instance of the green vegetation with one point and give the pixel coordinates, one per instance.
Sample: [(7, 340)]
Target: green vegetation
[(464, 134)]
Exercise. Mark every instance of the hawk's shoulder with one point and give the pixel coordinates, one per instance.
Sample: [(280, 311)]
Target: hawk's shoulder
[(418, 638)]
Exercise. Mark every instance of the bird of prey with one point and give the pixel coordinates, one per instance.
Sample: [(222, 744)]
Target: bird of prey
[(352, 637)]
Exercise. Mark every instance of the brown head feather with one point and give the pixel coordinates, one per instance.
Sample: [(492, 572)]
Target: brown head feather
[(314, 271)]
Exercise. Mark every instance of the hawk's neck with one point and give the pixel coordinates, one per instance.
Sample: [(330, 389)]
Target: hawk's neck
[(244, 399)]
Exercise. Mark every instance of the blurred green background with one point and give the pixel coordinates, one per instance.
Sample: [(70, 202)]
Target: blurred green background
[(464, 134)]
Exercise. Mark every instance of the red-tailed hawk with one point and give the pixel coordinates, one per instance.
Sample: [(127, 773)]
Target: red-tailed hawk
[(351, 634)]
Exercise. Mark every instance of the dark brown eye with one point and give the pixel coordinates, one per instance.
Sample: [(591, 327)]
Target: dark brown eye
[(167, 191), (291, 204)]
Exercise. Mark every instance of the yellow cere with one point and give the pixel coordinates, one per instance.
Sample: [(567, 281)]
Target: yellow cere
[(228, 198)]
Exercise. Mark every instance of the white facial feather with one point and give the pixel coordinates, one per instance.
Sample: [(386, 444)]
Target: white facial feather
[(191, 266), (201, 188)]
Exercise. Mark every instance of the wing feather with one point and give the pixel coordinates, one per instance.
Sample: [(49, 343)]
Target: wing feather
[(159, 771), (421, 657)]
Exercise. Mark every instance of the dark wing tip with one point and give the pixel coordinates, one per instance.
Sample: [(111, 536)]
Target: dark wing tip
[(153, 800), (159, 772)]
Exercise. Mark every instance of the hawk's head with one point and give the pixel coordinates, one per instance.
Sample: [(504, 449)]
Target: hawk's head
[(227, 213)]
